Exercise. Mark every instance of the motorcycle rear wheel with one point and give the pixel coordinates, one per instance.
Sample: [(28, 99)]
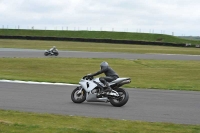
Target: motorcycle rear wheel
[(121, 100), (78, 98)]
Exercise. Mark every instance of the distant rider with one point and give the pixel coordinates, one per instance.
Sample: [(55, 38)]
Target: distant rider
[(53, 49), (110, 75)]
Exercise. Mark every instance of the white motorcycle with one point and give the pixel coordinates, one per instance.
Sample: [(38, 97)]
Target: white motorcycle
[(92, 90), (47, 52)]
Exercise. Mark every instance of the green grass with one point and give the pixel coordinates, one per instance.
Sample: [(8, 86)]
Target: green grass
[(156, 74), (23, 122), (96, 47), (97, 34), (178, 75)]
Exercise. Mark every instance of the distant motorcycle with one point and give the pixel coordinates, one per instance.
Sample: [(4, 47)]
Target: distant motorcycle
[(92, 90), (47, 52)]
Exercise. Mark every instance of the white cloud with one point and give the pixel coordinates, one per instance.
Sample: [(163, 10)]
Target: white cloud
[(160, 16)]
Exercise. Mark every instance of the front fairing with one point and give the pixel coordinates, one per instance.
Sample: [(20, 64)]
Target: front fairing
[(98, 81), (87, 85)]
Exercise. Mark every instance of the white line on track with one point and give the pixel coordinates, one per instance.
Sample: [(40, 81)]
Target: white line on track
[(34, 82)]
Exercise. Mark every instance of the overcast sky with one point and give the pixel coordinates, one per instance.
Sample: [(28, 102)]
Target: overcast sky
[(182, 17)]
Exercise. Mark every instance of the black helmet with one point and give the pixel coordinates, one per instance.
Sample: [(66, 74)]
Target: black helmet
[(104, 65)]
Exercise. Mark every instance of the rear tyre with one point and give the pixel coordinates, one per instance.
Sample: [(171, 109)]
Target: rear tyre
[(78, 98), (121, 100)]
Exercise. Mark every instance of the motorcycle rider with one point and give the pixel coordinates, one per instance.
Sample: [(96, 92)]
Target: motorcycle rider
[(110, 75), (52, 49)]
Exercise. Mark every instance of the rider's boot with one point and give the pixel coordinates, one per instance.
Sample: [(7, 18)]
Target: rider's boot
[(108, 89)]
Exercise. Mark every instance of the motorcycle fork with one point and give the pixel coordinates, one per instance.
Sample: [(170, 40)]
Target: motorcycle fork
[(80, 91)]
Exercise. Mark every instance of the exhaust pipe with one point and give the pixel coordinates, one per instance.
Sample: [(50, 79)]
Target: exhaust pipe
[(124, 82)]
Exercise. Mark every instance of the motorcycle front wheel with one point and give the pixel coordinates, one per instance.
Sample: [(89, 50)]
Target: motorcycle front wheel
[(46, 53), (121, 100), (78, 97), (56, 53)]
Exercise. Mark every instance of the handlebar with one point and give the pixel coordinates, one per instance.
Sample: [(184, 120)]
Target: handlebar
[(88, 77)]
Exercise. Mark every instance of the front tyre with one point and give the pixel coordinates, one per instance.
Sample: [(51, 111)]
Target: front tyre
[(46, 53), (56, 53), (77, 96), (121, 100)]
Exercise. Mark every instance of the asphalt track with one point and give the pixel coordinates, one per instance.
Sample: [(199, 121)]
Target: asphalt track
[(24, 53), (144, 104)]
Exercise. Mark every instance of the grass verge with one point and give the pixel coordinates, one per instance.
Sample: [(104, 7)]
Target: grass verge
[(97, 34), (156, 74), (96, 47), (23, 122)]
